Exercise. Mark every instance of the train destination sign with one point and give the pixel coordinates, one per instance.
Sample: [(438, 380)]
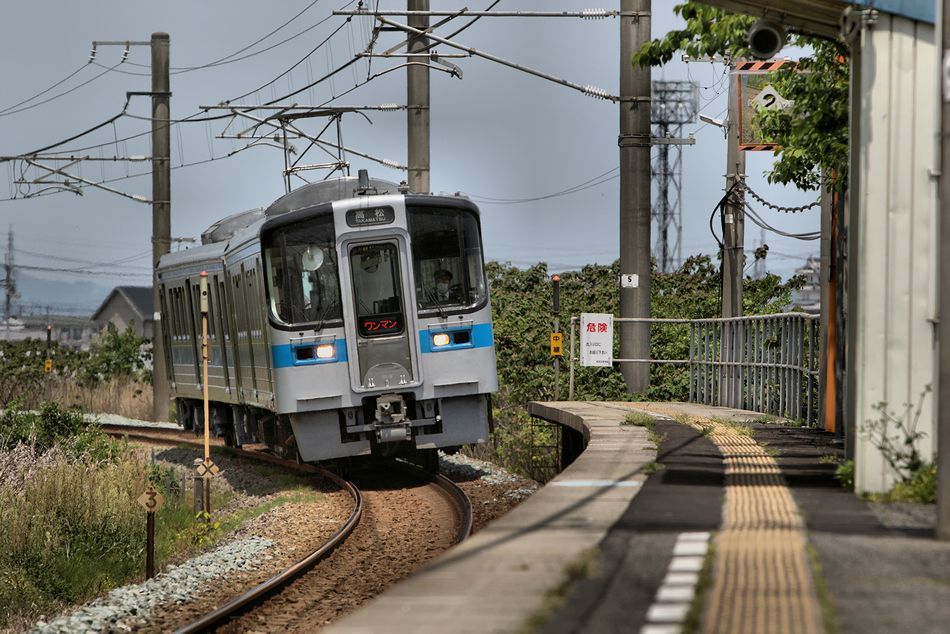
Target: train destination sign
[(374, 326), (371, 216), (597, 339)]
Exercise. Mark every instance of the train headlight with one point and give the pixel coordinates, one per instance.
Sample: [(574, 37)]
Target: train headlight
[(441, 339), (326, 351)]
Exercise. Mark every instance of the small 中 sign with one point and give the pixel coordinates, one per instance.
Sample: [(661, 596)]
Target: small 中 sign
[(207, 469), (557, 344), (151, 500)]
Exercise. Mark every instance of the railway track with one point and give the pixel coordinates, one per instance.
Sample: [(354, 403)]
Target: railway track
[(401, 498)]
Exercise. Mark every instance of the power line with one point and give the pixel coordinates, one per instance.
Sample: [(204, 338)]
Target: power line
[(48, 269), (83, 262), (43, 92), (8, 112), (232, 57), (593, 182)]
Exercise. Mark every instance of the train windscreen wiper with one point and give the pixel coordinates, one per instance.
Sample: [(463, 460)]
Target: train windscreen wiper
[(430, 294)]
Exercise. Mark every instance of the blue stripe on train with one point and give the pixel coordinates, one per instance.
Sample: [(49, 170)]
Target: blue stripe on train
[(283, 355), (481, 337)]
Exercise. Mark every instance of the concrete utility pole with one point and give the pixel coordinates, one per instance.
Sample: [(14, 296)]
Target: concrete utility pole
[(9, 279), (943, 305), (635, 212), (161, 212), (417, 100), (733, 258)]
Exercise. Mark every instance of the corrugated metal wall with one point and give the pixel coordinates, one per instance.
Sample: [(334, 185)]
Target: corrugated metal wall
[(894, 228)]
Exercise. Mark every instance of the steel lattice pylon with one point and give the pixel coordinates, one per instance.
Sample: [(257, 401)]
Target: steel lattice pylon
[(674, 104)]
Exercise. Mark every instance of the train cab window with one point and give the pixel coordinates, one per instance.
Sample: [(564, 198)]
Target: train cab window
[(446, 258), (303, 283), (376, 289)]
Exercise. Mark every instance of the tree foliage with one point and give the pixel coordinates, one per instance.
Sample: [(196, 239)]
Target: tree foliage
[(521, 305), (813, 131)]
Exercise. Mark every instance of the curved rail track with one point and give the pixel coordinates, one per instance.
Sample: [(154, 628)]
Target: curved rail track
[(259, 595)]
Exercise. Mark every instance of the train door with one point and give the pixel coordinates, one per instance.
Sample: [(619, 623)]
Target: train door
[(194, 319), (165, 324), (233, 299), (224, 341), (244, 300), (384, 321)]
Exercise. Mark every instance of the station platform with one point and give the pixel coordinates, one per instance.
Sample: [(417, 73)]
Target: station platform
[(707, 519)]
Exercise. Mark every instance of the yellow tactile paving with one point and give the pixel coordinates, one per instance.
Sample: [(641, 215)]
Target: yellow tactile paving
[(761, 580)]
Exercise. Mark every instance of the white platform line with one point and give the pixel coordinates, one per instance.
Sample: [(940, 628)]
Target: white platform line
[(673, 597)]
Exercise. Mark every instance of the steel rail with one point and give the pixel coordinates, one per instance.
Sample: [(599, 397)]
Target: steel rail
[(284, 578), (278, 581), (461, 500), (239, 604)]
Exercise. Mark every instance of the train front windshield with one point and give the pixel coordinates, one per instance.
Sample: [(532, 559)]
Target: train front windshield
[(302, 274), (446, 258)]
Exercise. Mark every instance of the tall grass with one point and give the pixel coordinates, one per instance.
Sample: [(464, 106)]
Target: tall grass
[(70, 525), (124, 396)]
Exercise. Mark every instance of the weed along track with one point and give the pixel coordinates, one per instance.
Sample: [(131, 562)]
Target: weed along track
[(399, 519)]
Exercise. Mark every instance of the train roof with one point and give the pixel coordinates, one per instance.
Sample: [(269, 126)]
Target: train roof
[(210, 253), (327, 191), (307, 196), (224, 229)]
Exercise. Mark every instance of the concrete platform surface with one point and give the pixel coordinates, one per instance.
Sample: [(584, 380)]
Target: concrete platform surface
[(496, 580), (742, 513)]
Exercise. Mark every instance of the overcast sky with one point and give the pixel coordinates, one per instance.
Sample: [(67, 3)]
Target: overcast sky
[(496, 134)]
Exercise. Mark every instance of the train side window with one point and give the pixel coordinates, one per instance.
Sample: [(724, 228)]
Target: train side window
[(300, 272)]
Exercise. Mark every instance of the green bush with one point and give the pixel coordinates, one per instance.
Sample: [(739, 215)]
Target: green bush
[(845, 474), (116, 355), (521, 312), (920, 487)]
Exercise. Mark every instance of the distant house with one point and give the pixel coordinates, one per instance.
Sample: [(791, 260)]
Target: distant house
[(808, 297), (127, 306), (68, 331)]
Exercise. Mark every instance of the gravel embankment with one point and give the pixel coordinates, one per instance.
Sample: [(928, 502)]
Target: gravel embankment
[(493, 492), (175, 585)]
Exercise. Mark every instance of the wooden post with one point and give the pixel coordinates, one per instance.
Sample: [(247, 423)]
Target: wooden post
[(206, 500), (149, 544)]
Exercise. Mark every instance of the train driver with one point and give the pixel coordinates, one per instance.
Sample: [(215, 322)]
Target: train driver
[(444, 291)]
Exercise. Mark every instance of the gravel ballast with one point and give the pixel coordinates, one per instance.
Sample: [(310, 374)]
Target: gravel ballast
[(135, 603)]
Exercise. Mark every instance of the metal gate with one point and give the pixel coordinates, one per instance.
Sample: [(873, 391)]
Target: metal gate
[(763, 363)]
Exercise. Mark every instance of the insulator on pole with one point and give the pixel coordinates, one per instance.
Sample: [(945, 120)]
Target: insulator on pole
[(594, 91), (595, 14)]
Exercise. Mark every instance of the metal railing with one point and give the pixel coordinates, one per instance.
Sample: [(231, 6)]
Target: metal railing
[(763, 363)]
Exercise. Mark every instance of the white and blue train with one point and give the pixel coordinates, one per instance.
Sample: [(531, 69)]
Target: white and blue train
[(348, 318)]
